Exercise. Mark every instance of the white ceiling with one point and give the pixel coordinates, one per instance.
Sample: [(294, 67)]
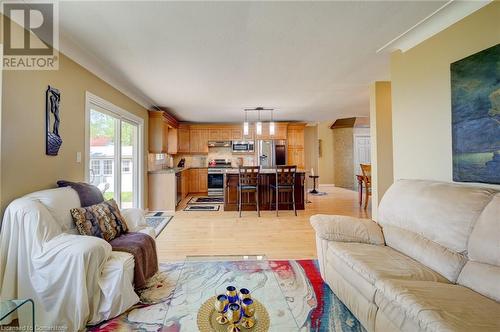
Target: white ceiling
[(207, 61)]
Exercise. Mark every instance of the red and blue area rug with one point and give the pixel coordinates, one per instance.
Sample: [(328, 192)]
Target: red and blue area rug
[(292, 291)]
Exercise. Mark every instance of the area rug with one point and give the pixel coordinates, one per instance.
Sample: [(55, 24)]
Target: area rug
[(158, 220), (206, 200), (308, 299), (202, 208)]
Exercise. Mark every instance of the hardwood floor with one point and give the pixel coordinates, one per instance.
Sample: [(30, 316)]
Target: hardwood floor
[(223, 233)]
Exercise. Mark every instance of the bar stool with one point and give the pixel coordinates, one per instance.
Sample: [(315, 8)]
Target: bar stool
[(285, 182), (248, 182)]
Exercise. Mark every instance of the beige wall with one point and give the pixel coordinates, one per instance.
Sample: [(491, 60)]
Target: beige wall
[(422, 98), (381, 141), (326, 165), (343, 148), (24, 165), (311, 151)]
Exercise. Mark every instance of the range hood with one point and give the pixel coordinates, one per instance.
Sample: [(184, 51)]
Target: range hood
[(219, 144)]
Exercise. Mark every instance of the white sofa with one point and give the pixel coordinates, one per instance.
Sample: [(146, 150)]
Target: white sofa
[(432, 263), (74, 280)]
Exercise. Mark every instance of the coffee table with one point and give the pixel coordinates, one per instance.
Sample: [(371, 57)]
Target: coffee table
[(207, 276)]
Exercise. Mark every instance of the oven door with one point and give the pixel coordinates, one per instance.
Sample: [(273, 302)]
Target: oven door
[(215, 183)]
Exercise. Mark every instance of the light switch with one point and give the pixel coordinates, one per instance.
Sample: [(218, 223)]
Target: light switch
[(78, 157)]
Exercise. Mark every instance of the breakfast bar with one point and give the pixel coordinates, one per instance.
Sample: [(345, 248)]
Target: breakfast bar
[(266, 192)]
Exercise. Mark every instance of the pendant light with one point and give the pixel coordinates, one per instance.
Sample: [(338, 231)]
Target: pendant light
[(272, 128), (258, 126), (245, 125)]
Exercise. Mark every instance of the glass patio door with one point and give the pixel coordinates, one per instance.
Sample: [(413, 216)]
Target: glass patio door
[(113, 156)]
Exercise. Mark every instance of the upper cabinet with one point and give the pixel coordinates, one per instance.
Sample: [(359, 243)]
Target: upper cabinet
[(183, 136), (162, 133), (296, 154), (198, 140)]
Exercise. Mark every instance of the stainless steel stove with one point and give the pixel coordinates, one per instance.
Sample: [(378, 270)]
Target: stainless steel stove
[(216, 170)]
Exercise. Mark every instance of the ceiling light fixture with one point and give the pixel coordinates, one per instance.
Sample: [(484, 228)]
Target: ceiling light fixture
[(258, 124)]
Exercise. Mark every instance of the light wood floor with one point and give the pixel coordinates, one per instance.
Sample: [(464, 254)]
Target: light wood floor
[(224, 233)]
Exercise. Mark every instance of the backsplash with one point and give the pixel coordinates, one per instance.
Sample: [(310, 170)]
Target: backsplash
[(159, 161)]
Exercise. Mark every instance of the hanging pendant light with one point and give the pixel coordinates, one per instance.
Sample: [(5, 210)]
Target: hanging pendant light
[(245, 125), (258, 126), (272, 128)]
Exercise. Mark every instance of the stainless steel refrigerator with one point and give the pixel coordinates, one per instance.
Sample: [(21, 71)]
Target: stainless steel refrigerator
[(271, 153)]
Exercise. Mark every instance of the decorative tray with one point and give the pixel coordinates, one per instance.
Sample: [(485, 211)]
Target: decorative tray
[(207, 318)]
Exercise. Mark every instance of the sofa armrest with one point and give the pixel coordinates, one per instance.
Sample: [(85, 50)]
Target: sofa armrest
[(135, 218), (347, 229)]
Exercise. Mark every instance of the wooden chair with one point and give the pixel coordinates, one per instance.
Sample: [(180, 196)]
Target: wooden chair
[(285, 182), (248, 182), (366, 170)]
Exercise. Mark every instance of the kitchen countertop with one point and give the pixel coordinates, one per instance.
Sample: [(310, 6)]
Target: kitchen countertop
[(262, 171), (173, 170)]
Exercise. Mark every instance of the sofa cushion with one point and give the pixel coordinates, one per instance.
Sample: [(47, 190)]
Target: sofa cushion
[(484, 241), (441, 212), (481, 277), (373, 262), (88, 194), (436, 306), (442, 260)]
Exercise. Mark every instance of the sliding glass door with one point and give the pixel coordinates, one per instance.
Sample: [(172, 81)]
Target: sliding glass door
[(113, 155)]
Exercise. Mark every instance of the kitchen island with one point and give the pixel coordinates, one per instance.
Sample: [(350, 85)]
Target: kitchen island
[(266, 192)]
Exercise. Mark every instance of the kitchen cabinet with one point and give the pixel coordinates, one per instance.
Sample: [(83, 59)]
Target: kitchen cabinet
[(183, 136), (280, 131), (197, 178), (172, 141), (213, 134), (184, 183), (198, 140), (236, 134), (162, 191), (296, 145), (156, 132), (296, 157), (219, 134)]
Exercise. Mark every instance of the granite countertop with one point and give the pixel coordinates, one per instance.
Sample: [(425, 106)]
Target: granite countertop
[(262, 171), (173, 170)]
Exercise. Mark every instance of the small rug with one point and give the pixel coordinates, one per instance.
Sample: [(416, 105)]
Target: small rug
[(158, 220), (206, 200), (202, 208), (319, 193), (314, 307)]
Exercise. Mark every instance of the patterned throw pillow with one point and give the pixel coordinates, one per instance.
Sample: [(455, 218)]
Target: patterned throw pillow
[(103, 220)]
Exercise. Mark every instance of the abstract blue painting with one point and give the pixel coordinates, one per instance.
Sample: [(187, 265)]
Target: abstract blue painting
[(475, 104)]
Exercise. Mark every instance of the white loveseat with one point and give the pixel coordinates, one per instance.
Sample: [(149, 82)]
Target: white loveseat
[(432, 263), (74, 280)]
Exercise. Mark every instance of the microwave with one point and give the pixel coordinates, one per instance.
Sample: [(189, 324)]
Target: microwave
[(243, 146)]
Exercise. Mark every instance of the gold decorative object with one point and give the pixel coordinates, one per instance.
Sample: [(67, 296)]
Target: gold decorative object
[(207, 318), (220, 306)]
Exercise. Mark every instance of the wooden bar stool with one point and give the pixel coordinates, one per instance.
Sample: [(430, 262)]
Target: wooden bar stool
[(366, 169), (285, 182), (248, 182)]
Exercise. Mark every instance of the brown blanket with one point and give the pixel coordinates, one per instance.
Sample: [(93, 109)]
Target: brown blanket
[(143, 248)]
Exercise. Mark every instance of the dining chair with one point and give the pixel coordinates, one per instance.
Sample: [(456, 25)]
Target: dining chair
[(366, 170)]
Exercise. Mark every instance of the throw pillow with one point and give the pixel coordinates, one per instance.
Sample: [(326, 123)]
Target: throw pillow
[(103, 220), (89, 194)]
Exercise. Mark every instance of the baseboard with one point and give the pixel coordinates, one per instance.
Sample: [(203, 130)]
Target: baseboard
[(326, 185)]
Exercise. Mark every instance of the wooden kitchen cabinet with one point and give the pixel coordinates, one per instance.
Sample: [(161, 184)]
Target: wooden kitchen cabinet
[(184, 183), (156, 132), (296, 157), (172, 141), (198, 140), (183, 136), (202, 180), (213, 134), (236, 134), (198, 180), (281, 131)]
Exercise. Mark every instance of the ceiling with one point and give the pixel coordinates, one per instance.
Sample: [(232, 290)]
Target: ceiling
[(206, 61)]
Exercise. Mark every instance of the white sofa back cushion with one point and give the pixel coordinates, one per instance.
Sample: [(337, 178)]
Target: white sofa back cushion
[(59, 202), (482, 272), (441, 212)]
